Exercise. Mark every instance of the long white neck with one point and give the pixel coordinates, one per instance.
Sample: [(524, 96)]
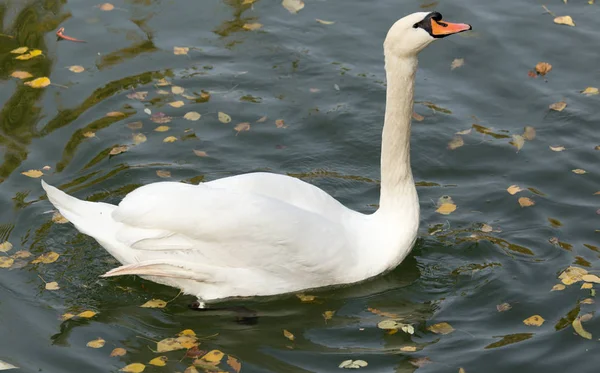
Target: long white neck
[(397, 184)]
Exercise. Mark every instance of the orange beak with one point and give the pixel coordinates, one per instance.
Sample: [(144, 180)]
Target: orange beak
[(443, 28)]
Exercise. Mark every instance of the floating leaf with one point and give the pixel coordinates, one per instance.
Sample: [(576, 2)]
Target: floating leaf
[(456, 142), (21, 75), (96, 343), (503, 307), (517, 141), (441, 328), (6, 246), (252, 26), (353, 364), (133, 368), (513, 189), (234, 364), (579, 329), (558, 287), (118, 352), (224, 118), (416, 116), (288, 335), (89, 134), (245, 126), (115, 114), (177, 104), (407, 328), (180, 50), (168, 344), (587, 301), (139, 138), (543, 68), (187, 341), (446, 208), (32, 53), (162, 128), (38, 83), (328, 315), (526, 202), (557, 148), (591, 278), (163, 174), (154, 303), (200, 153), (280, 123), (138, 95), (87, 314), (191, 369), (6, 366), (160, 361), (486, 228), (33, 173), (170, 139), (586, 317), (6, 262), (293, 6), (587, 285), (52, 285), (535, 320), (564, 20), (529, 133), (408, 349), (135, 125), (456, 63), (579, 171), (192, 115), (323, 22), (46, 258), (590, 91), (306, 298), (187, 332), (107, 7), (419, 362), (176, 90), (76, 68), (19, 50), (213, 356), (118, 149), (558, 106)]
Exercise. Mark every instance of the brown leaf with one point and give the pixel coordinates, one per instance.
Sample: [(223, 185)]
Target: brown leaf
[(107, 7), (118, 150), (234, 364), (456, 142), (135, 125), (526, 202), (513, 189), (419, 362), (558, 106), (244, 126), (306, 298), (543, 68), (503, 307), (118, 352), (163, 173), (115, 114), (418, 117), (21, 75), (382, 313), (456, 63), (200, 153), (529, 133), (441, 328)]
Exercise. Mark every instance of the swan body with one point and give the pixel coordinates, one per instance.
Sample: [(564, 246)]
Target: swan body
[(263, 234)]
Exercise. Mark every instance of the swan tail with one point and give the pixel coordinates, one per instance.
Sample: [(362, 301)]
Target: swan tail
[(91, 218), (163, 268)]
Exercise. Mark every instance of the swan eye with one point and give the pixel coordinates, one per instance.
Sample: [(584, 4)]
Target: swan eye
[(416, 25)]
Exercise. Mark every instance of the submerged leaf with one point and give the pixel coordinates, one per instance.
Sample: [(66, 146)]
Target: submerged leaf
[(234, 364), (518, 141), (456, 142), (503, 307), (456, 63), (118, 150), (441, 328)]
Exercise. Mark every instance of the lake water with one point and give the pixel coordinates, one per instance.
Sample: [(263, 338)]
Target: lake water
[(326, 82)]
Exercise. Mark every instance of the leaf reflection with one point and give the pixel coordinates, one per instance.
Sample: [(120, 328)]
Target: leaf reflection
[(510, 339)]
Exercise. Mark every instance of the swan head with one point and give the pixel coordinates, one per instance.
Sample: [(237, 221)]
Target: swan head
[(412, 33)]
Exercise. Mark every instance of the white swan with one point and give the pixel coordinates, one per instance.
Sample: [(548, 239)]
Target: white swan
[(264, 234)]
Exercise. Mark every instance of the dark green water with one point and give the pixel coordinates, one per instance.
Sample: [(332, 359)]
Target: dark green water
[(326, 83)]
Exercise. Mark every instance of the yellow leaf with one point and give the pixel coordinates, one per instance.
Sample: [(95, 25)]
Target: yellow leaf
[(33, 173), (579, 329), (587, 285), (441, 328), (213, 356), (587, 301), (558, 106), (154, 303), (133, 368), (526, 202), (96, 343), (118, 149), (187, 332), (513, 189), (162, 128), (35, 52), (115, 114), (535, 320), (223, 118), (168, 344), (328, 315), (77, 68), (293, 6), (558, 287), (564, 20), (89, 134), (6, 246), (245, 126), (38, 83), (118, 352), (162, 82), (591, 278), (306, 298), (163, 174), (248, 2), (160, 361), (590, 91), (67, 316), (21, 75), (52, 285), (234, 364), (187, 341), (579, 171), (446, 208), (288, 335), (200, 153), (252, 26), (180, 50), (280, 123), (177, 90), (107, 7), (456, 63), (323, 22), (19, 50), (46, 258), (529, 133), (6, 262), (456, 142), (517, 141), (557, 148), (87, 314), (139, 138), (170, 139), (462, 370), (177, 103), (408, 349), (190, 369), (543, 68), (21, 254), (192, 115)]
